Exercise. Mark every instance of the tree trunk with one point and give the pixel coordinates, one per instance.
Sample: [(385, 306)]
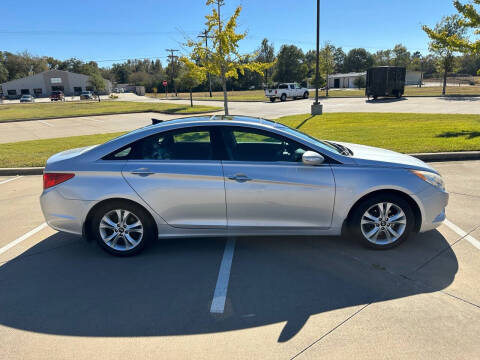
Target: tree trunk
[(444, 79), (326, 87), (191, 98), (225, 96)]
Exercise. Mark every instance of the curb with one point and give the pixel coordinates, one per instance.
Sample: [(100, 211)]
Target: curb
[(112, 113), (448, 156), (427, 157), (21, 171)]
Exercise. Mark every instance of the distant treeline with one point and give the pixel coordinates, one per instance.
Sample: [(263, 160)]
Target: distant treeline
[(292, 64)]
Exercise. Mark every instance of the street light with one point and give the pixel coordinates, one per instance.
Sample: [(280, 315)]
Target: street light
[(317, 108)]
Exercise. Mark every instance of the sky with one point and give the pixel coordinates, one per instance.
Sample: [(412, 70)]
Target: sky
[(109, 31)]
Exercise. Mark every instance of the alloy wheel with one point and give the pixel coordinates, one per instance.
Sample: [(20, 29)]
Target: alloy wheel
[(121, 230), (383, 223)]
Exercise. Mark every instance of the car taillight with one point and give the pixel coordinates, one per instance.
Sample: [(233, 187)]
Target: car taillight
[(275, 91), (52, 179)]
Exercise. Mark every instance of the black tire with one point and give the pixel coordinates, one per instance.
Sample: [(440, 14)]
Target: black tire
[(283, 97), (149, 228), (355, 226), (375, 97), (272, 99), (305, 95)]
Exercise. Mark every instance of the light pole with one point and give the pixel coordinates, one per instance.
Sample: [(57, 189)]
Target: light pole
[(317, 108)]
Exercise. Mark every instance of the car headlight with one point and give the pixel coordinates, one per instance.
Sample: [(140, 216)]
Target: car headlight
[(431, 178)]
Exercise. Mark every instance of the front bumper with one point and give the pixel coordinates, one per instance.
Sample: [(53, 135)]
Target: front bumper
[(434, 202), (64, 214)]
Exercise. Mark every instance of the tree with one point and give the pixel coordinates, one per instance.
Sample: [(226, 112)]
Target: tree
[(290, 65), (382, 57), (469, 18), (191, 76), (359, 82), (266, 54), (449, 27), (97, 82), (358, 60), (327, 61), (223, 60), (339, 56), (401, 56)]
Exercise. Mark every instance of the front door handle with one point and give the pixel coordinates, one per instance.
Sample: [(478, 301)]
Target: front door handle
[(239, 177), (142, 172)]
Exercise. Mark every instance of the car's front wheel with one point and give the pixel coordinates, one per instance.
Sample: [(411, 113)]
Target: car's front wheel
[(382, 221), (122, 228)]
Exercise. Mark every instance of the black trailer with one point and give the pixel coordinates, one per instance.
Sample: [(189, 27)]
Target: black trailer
[(385, 81)]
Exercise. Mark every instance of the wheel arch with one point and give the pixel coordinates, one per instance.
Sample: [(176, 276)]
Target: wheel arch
[(88, 219), (411, 201)]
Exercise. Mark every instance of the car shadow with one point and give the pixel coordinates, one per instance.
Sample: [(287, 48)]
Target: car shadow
[(385, 100), (67, 286)]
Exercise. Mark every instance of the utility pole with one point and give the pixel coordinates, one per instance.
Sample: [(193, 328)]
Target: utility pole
[(173, 58), (317, 108), (204, 34)]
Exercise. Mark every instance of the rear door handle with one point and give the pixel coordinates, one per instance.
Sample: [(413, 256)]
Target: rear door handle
[(142, 172), (239, 177)]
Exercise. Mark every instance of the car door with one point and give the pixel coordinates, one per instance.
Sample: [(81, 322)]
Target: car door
[(268, 186), (179, 174)]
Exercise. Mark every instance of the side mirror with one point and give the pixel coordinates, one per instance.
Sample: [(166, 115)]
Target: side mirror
[(312, 158)]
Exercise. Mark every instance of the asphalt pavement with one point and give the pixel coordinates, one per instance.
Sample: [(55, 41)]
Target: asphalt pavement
[(291, 297)]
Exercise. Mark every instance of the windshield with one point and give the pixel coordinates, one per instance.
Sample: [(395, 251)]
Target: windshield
[(310, 139)]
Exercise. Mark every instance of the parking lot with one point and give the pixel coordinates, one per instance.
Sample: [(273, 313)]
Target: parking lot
[(284, 297), (86, 125)]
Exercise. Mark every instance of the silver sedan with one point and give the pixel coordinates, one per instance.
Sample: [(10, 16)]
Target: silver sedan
[(237, 176)]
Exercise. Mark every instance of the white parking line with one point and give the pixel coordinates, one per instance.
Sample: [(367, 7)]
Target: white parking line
[(463, 234), (8, 180), (44, 122), (22, 238), (220, 294)]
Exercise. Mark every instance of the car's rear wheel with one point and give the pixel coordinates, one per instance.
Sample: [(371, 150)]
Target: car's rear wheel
[(382, 221), (283, 97), (122, 228)]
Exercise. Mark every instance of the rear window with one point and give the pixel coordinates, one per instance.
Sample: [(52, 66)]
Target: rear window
[(283, 86)]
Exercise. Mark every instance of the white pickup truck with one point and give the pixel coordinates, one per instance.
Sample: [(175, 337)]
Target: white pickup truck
[(286, 90)]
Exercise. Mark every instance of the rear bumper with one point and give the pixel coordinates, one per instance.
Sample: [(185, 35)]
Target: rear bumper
[(64, 214)]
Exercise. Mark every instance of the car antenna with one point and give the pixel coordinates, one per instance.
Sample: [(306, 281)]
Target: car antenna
[(156, 121)]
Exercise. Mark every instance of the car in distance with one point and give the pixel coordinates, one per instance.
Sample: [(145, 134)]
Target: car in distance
[(237, 176), (27, 98), (57, 96), (86, 95), (286, 90)]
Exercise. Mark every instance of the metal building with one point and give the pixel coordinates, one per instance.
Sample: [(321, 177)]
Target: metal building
[(42, 84)]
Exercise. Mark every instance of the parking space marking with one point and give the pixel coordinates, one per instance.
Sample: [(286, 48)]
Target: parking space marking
[(22, 238), (220, 294), (44, 122), (8, 180), (463, 234)]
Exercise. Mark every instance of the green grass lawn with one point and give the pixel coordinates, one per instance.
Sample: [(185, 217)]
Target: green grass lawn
[(66, 109), (407, 133), (259, 95)]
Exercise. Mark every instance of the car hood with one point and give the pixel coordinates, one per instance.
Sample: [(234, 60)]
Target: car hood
[(373, 156)]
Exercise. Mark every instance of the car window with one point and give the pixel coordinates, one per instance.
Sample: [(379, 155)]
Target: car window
[(283, 86), (185, 144), (182, 145), (245, 144), (292, 86)]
